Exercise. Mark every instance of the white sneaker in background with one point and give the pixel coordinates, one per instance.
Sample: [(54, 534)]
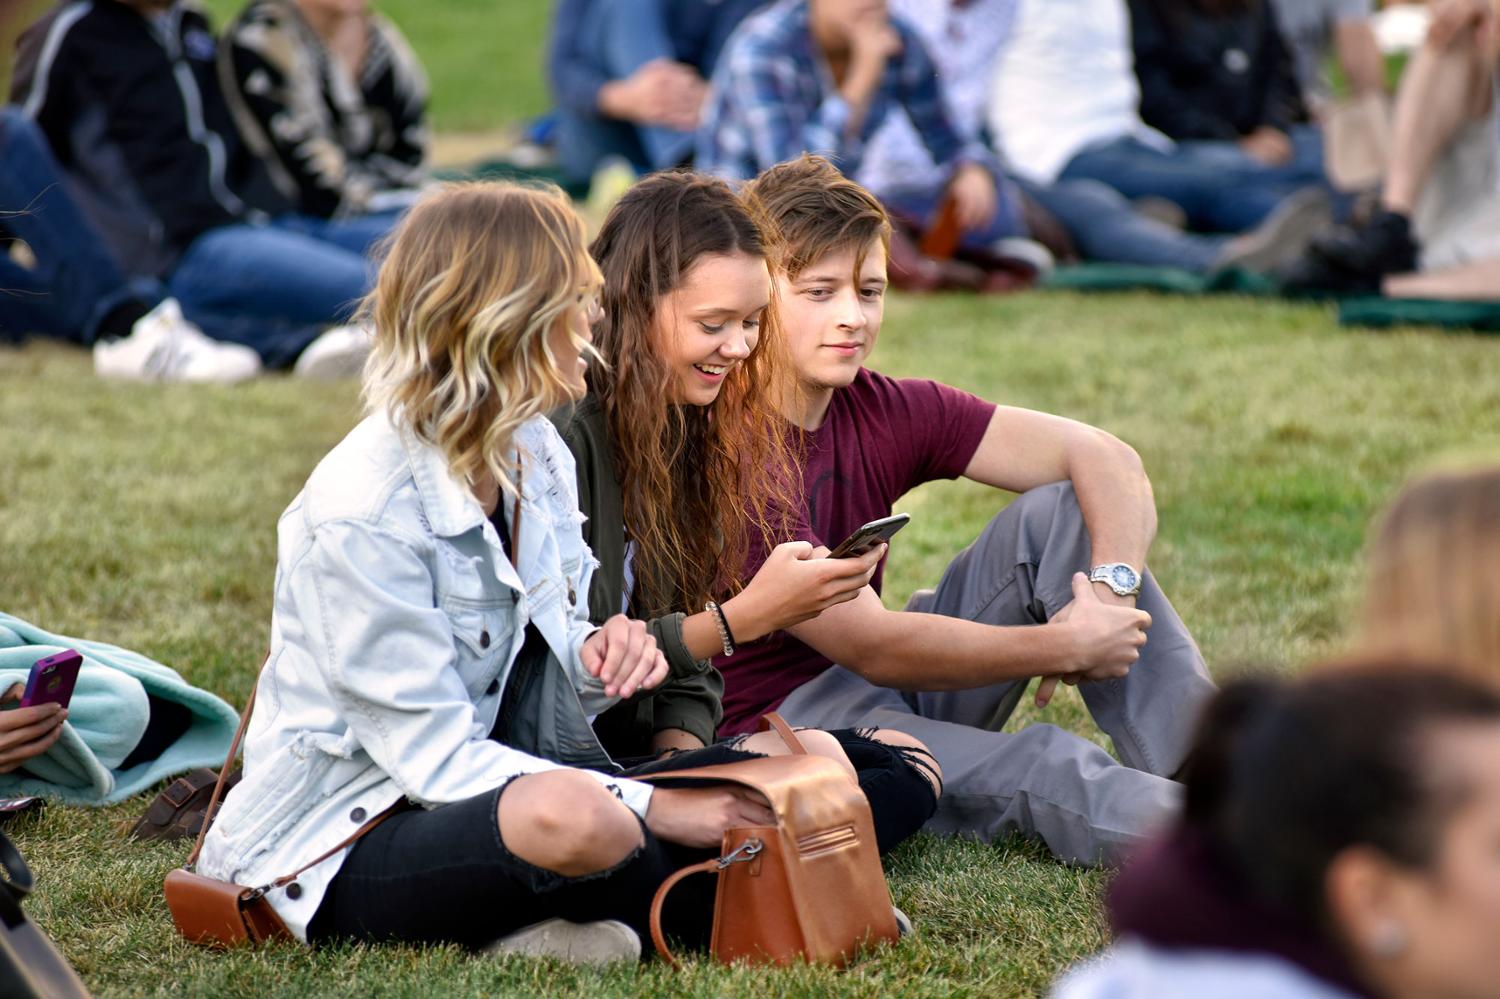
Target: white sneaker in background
[(1025, 252), (602, 942), (165, 347), (339, 352)]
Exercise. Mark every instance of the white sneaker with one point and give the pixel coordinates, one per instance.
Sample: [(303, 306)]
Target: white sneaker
[(1026, 252), (339, 352), (601, 942), (164, 347)]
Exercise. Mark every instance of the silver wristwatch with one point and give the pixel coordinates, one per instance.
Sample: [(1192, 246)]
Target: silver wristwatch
[(1118, 576)]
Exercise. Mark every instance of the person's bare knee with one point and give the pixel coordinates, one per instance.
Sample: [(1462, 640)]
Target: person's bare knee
[(913, 748), (566, 822), (816, 741)]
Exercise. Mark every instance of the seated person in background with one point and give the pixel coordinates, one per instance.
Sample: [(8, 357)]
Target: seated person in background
[(128, 98), (1066, 105), (333, 99), (1016, 604), (965, 39), (68, 286), (629, 77), (823, 76), (1432, 587), (1439, 212), (1338, 842), (1314, 30), (1217, 78)]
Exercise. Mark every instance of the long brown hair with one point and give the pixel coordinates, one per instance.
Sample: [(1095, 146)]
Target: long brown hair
[(700, 483), (1434, 571)]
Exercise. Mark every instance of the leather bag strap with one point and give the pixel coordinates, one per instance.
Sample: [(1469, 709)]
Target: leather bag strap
[(774, 721), (657, 937), (234, 749)]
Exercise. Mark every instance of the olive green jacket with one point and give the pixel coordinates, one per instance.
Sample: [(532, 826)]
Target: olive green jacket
[(690, 698)]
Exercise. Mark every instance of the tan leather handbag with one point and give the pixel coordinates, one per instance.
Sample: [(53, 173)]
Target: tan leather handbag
[(223, 914), (808, 888)]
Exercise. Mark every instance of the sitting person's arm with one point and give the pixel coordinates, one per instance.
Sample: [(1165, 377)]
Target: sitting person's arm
[(1093, 638), (390, 670), (660, 92)]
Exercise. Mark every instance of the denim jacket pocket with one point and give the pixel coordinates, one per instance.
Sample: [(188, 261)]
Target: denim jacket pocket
[(481, 633)]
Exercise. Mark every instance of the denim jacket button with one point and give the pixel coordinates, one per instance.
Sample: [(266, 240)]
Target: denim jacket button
[(484, 639), (357, 816), (493, 688)]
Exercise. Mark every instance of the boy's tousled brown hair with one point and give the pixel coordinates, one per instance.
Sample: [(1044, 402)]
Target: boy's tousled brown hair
[(812, 210)]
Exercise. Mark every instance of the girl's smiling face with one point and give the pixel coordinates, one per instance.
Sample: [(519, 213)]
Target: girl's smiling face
[(711, 322)]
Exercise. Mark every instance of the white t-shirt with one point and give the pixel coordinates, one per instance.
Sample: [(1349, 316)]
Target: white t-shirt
[(1066, 81)]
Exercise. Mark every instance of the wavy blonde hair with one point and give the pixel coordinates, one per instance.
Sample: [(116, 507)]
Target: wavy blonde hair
[(474, 279), (1434, 571)]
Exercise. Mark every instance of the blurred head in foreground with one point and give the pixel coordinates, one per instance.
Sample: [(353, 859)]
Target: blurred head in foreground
[(1433, 590), (1344, 826)]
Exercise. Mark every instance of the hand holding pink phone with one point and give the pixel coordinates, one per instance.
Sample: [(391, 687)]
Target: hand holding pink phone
[(30, 729)]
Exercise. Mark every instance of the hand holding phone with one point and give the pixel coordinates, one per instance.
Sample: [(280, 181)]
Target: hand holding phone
[(52, 679), (30, 729), (871, 534)]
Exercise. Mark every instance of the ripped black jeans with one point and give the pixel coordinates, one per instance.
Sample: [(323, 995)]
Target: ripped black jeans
[(445, 875)]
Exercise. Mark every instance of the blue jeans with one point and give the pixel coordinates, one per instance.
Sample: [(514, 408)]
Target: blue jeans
[(1215, 183), (75, 282), (622, 37), (920, 207), (274, 286), (1105, 226)]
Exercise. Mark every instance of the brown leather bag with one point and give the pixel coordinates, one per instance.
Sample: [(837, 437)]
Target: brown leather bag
[(808, 888), (223, 914)]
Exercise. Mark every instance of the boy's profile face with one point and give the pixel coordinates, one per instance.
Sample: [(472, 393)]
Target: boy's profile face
[(832, 315)]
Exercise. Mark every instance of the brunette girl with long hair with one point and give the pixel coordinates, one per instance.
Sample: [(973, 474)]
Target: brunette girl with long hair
[(686, 470)]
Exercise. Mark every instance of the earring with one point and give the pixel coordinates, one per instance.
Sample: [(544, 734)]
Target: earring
[(1389, 940)]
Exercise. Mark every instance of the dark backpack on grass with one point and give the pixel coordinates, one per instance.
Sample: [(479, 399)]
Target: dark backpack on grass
[(30, 965)]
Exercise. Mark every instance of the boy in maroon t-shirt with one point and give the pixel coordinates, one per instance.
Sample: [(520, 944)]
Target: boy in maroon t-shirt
[(1055, 585)]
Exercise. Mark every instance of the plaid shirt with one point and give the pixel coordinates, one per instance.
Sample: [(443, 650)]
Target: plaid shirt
[(774, 98)]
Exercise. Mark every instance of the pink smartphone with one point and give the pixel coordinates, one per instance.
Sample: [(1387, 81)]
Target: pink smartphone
[(52, 679)]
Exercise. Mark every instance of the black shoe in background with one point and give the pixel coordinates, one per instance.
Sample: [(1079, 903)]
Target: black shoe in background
[(1352, 261)]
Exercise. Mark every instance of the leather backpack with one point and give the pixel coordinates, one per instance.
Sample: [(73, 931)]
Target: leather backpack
[(810, 887)]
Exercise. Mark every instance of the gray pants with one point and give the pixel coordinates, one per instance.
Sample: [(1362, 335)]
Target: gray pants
[(1040, 781)]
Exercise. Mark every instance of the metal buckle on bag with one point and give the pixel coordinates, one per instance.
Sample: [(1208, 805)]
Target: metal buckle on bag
[(742, 854)]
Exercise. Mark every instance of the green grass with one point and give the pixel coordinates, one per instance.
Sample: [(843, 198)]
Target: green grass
[(145, 516)]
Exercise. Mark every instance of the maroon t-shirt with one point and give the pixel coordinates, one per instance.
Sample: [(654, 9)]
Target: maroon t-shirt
[(882, 437)]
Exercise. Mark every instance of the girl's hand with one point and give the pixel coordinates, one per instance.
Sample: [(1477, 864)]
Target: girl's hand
[(797, 582), (27, 732), (624, 656), (698, 816)]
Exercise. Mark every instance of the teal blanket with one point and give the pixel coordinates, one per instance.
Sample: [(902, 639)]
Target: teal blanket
[(106, 718)]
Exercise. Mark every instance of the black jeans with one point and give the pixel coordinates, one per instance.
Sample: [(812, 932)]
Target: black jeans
[(445, 875)]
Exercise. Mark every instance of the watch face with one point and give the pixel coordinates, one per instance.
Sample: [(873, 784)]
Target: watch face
[(1123, 577)]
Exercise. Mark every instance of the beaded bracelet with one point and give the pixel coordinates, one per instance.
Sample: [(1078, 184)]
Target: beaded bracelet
[(722, 623)]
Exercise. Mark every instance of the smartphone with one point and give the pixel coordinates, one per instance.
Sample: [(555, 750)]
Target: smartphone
[(870, 535), (52, 679)]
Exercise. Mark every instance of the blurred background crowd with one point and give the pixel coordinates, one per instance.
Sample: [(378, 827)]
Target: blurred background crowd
[(196, 202)]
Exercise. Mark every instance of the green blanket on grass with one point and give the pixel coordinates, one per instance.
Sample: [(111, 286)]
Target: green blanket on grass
[(1373, 311)]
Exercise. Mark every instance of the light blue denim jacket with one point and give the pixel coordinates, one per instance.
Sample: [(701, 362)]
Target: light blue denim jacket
[(397, 617)]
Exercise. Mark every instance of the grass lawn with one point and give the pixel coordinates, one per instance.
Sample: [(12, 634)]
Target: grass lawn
[(145, 516)]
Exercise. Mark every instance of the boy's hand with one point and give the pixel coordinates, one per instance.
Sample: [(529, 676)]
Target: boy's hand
[(974, 196)]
